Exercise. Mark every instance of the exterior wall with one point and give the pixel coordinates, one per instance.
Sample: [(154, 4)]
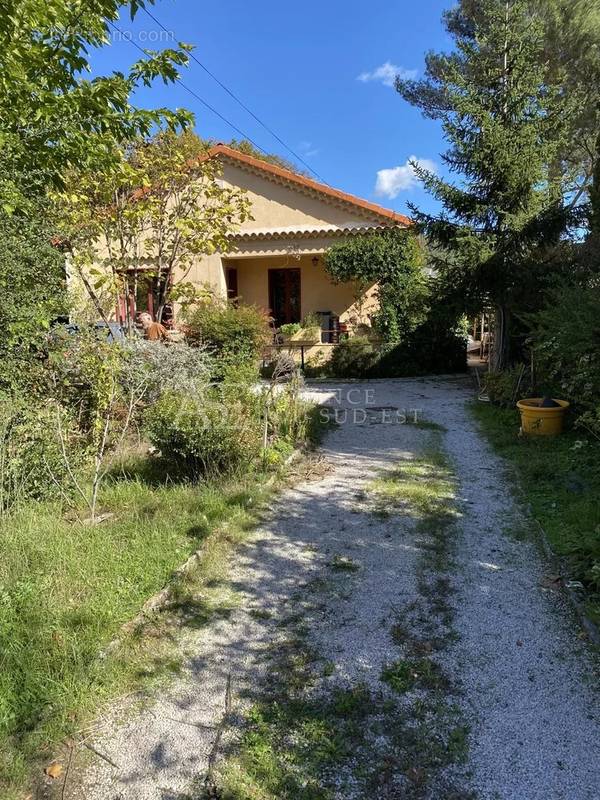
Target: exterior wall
[(278, 205), (209, 271)]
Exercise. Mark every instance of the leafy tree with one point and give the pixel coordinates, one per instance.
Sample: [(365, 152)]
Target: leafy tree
[(244, 146), (52, 120), (32, 285), (572, 59), (504, 124), (150, 219), (51, 117), (394, 260)]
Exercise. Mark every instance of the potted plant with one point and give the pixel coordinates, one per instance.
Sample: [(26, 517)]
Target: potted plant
[(288, 330), (542, 416), (310, 331)]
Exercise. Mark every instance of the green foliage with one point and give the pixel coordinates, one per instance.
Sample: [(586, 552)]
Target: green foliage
[(53, 118), (290, 328), (407, 674), (393, 260), (566, 342), (311, 320), (506, 387), (505, 117), (353, 358), (211, 435), (32, 288), (437, 345), (175, 367), (572, 32), (152, 218), (229, 426), (32, 466), (235, 334), (82, 372), (560, 480)]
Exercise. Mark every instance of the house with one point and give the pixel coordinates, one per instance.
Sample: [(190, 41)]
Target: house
[(276, 259)]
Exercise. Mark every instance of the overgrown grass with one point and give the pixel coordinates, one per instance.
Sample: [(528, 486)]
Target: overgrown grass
[(67, 588), (560, 479), (423, 486), (406, 674), (288, 747)]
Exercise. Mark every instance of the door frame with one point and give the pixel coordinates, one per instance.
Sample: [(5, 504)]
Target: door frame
[(271, 271)]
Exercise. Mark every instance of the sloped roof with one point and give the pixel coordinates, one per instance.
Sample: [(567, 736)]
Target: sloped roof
[(280, 174)]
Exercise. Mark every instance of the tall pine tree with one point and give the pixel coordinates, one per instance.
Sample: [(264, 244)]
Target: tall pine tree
[(503, 123)]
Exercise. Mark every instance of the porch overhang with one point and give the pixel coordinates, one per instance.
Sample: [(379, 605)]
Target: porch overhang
[(293, 239)]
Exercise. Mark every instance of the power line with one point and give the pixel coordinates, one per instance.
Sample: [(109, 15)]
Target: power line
[(194, 94), (240, 102)]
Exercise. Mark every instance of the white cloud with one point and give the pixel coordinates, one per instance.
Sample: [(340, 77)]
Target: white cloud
[(307, 149), (390, 182), (386, 73)]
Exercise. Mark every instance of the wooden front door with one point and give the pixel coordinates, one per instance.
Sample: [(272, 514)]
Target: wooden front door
[(284, 295)]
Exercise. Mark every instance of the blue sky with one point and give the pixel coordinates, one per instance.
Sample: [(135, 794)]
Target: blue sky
[(317, 72)]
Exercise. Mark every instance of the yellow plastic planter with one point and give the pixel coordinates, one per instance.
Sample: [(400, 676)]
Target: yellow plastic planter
[(537, 421)]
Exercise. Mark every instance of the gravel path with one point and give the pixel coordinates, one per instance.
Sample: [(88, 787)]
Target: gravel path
[(522, 678)]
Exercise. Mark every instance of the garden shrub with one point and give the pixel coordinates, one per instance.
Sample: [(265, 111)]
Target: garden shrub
[(438, 345), (394, 260), (175, 367), (230, 425), (420, 327), (32, 466), (212, 432), (353, 358), (235, 334), (566, 344), (289, 329), (289, 416), (79, 372), (505, 388), (32, 288)]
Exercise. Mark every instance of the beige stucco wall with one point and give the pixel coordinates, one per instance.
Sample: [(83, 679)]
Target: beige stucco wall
[(278, 205), (209, 271)]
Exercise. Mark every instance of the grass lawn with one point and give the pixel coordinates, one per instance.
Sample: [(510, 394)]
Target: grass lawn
[(67, 588), (560, 479)]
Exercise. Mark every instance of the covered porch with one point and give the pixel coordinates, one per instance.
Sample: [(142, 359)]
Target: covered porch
[(291, 286)]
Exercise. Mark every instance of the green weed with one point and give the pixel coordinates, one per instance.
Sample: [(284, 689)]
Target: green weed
[(411, 673), (423, 486), (68, 588), (559, 478)]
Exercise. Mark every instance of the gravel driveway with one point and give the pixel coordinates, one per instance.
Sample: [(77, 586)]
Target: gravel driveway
[(520, 681)]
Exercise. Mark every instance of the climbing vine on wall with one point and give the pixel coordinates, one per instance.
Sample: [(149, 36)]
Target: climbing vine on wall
[(393, 260)]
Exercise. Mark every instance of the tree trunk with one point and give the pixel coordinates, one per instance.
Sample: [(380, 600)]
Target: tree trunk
[(500, 351), (93, 296)]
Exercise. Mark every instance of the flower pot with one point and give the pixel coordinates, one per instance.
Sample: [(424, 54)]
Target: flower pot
[(537, 420)]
